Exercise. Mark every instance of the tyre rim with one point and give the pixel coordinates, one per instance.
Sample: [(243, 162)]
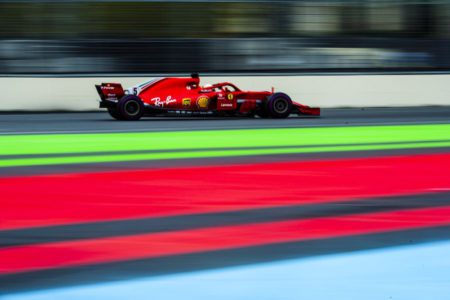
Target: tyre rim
[(132, 108), (280, 106)]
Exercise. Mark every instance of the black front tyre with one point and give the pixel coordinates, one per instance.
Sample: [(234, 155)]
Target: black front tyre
[(279, 106), (130, 108)]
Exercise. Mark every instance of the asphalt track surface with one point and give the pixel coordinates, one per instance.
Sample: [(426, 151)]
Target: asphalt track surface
[(102, 122), (372, 178)]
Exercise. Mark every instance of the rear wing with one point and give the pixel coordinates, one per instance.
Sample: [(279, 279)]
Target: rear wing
[(110, 91)]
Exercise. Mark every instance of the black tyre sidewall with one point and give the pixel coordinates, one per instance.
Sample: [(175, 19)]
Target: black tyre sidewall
[(114, 112), (273, 99), (124, 113)]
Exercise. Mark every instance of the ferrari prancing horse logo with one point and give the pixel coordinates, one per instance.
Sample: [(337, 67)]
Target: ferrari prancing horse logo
[(230, 96)]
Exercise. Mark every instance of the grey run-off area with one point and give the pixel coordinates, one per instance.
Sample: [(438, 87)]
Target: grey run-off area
[(90, 122)]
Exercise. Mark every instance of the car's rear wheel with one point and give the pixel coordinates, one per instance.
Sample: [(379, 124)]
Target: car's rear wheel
[(114, 112), (279, 106), (131, 108)]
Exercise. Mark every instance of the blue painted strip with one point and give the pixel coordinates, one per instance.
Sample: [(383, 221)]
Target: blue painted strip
[(401, 273)]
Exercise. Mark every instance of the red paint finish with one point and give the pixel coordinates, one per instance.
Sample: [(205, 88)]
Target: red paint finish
[(73, 198), (67, 254), (221, 96), (172, 93)]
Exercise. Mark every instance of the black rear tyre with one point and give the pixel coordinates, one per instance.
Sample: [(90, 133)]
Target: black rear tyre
[(279, 106), (131, 108), (114, 112)]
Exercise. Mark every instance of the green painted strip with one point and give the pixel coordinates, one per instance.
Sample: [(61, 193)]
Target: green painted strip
[(55, 155), (205, 154), (78, 143)]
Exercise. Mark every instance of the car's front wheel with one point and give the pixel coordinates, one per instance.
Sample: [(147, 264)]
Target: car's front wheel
[(130, 108), (279, 105)]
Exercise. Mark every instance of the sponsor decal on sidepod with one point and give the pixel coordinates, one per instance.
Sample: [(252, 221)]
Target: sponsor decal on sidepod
[(203, 102), (186, 102), (157, 101)]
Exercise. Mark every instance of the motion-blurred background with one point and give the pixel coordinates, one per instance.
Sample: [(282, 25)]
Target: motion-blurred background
[(354, 204), (111, 37)]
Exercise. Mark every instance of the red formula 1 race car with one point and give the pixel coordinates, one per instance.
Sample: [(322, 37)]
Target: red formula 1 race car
[(185, 96)]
